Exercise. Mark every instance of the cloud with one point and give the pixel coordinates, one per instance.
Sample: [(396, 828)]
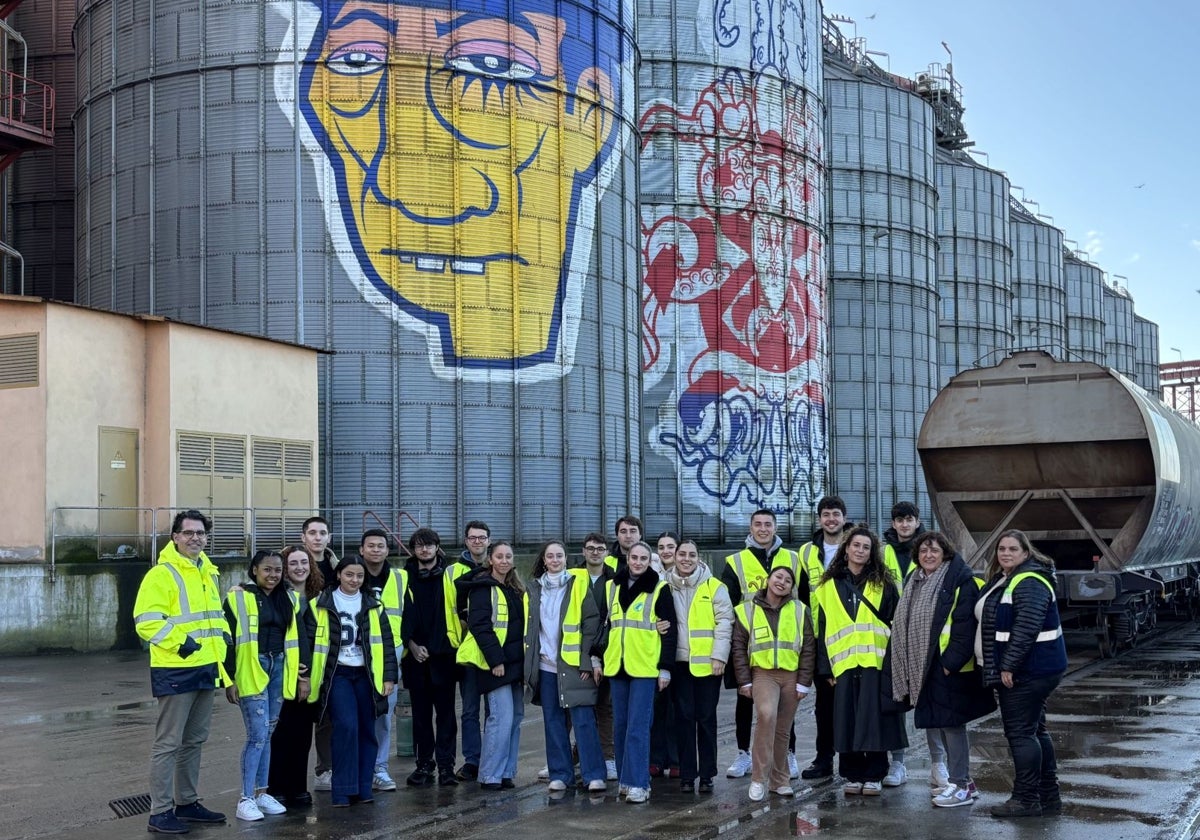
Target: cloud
[(1094, 243)]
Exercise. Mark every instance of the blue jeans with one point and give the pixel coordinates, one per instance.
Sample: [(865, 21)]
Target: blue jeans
[(468, 689), (633, 708), (383, 724), (502, 733), (353, 745), (558, 738), (260, 713), (1023, 710)]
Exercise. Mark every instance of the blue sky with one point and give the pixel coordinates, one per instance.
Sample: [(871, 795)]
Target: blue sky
[(1079, 103)]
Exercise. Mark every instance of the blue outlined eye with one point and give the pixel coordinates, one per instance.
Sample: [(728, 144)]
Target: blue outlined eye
[(493, 58), (360, 58)]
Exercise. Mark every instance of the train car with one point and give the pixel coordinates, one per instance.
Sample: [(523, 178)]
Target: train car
[(1102, 476)]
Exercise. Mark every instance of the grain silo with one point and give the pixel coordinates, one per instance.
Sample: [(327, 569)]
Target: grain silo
[(1039, 291), (733, 234), (1145, 355), (358, 180), (1120, 340), (883, 283), (1085, 309)]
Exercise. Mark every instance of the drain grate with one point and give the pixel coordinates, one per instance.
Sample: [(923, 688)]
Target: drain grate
[(131, 806)]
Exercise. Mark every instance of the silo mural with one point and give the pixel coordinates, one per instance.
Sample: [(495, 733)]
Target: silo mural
[(732, 211), (442, 193), (1039, 291)]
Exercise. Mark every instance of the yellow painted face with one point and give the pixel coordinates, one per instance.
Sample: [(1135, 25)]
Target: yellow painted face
[(460, 144)]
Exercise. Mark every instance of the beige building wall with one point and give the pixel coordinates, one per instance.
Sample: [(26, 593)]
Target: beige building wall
[(23, 442)]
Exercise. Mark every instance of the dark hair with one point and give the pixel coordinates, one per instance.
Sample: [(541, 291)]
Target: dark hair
[(347, 562), (512, 579), (670, 534), (903, 509), (595, 537), (374, 532), (938, 537), (1022, 540), (260, 556), (193, 514), (539, 563), (831, 503), (628, 519), (763, 512), (690, 542), (313, 519), (278, 595), (424, 536), (875, 570), (476, 525), (315, 581)]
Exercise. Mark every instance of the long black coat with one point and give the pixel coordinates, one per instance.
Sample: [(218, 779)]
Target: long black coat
[(511, 654), (957, 698)]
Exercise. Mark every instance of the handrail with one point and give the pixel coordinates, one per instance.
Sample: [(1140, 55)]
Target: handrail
[(395, 535), (27, 102)]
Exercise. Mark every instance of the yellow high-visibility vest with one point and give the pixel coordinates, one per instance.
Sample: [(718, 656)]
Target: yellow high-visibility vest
[(768, 649), (250, 677), (633, 639)]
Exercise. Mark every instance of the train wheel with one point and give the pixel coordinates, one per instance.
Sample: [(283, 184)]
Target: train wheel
[(1104, 637), (1123, 629)]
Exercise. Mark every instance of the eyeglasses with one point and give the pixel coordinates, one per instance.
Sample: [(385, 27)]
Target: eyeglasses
[(477, 539), (595, 548), (187, 535)]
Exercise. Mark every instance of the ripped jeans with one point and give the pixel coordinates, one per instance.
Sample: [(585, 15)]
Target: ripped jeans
[(260, 713)]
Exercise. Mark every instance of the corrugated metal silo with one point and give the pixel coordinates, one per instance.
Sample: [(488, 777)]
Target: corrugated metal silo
[(355, 177), (1145, 354), (1039, 290), (42, 199), (1085, 309), (1120, 341), (733, 230), (974, 264), (883, 282)]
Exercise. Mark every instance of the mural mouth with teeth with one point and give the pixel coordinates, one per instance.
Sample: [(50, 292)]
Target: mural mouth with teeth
[(437, 263)]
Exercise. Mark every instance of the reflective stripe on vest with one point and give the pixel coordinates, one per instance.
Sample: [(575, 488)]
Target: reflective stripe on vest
[(571, 644), (702, 628), (765, 650), (392, 600), (454, 629), (944, 636), (249, 677), (782, 559), (633, 639), (853, 642), (321, 648), (1047, 635)]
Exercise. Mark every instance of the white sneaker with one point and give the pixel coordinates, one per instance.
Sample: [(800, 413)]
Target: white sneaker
[(758, 791), (784, 790), (597, 786), (248, 810), (852, 788), (382, 780), (268, 804), (610, 770), (896, 775), (952, 797), (740, 766), (544, 773), (939, 776), (323, 781), (793, 767), (637, 796), (872, 788), (558, 785)]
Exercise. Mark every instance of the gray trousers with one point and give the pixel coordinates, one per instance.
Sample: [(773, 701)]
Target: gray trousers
[(953, 740), (182, 728)]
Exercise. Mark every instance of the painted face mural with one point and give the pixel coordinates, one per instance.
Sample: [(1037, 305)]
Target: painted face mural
[(733, 302), (460, 149)]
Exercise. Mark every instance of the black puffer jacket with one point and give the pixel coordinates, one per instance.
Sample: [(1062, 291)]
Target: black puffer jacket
[(478, 588), (957, 698), (1031, 600)]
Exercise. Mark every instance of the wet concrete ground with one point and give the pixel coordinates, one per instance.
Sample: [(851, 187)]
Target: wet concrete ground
[(75, 733)]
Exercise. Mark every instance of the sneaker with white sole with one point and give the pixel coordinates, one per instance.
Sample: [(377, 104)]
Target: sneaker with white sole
[(784, 790), (610, 770), (323, 781), (740, 766), (974, 790), (758, 791), (268, 804), (852, 788), (872, 788), (382, 779), (597, 786), (896, 775), (637, 796), (953, 796), (558, 784), (939, 776), (793, 767), (544, 773), (248, 810)]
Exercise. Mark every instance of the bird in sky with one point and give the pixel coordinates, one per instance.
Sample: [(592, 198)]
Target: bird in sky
[(1139, 186), (871, 16)]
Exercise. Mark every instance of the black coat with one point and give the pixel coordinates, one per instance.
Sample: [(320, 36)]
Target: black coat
[(957, 698), (390, 666), (478, 589)]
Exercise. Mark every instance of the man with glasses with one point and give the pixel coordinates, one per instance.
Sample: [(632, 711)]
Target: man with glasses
[(178, 612), (477, 536), (595, 551)]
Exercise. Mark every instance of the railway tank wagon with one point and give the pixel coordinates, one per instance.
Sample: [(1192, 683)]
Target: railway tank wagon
[(1100, 475)]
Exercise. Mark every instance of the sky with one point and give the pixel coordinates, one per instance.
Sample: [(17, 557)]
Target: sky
[(1093, 109)]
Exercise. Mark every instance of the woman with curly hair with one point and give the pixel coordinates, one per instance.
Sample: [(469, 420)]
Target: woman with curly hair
[(853, 606)]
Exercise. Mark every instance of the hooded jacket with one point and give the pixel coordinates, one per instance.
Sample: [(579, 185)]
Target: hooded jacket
[(901, 549), (683, 592)]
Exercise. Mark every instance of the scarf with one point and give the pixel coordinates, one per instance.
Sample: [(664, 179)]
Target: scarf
[(550, 624), (913, 624)]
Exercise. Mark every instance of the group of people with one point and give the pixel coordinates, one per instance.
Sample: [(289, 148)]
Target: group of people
[(626, 654)]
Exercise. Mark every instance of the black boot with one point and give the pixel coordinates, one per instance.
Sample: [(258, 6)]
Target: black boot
[(422, 776), (1016, 808)]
